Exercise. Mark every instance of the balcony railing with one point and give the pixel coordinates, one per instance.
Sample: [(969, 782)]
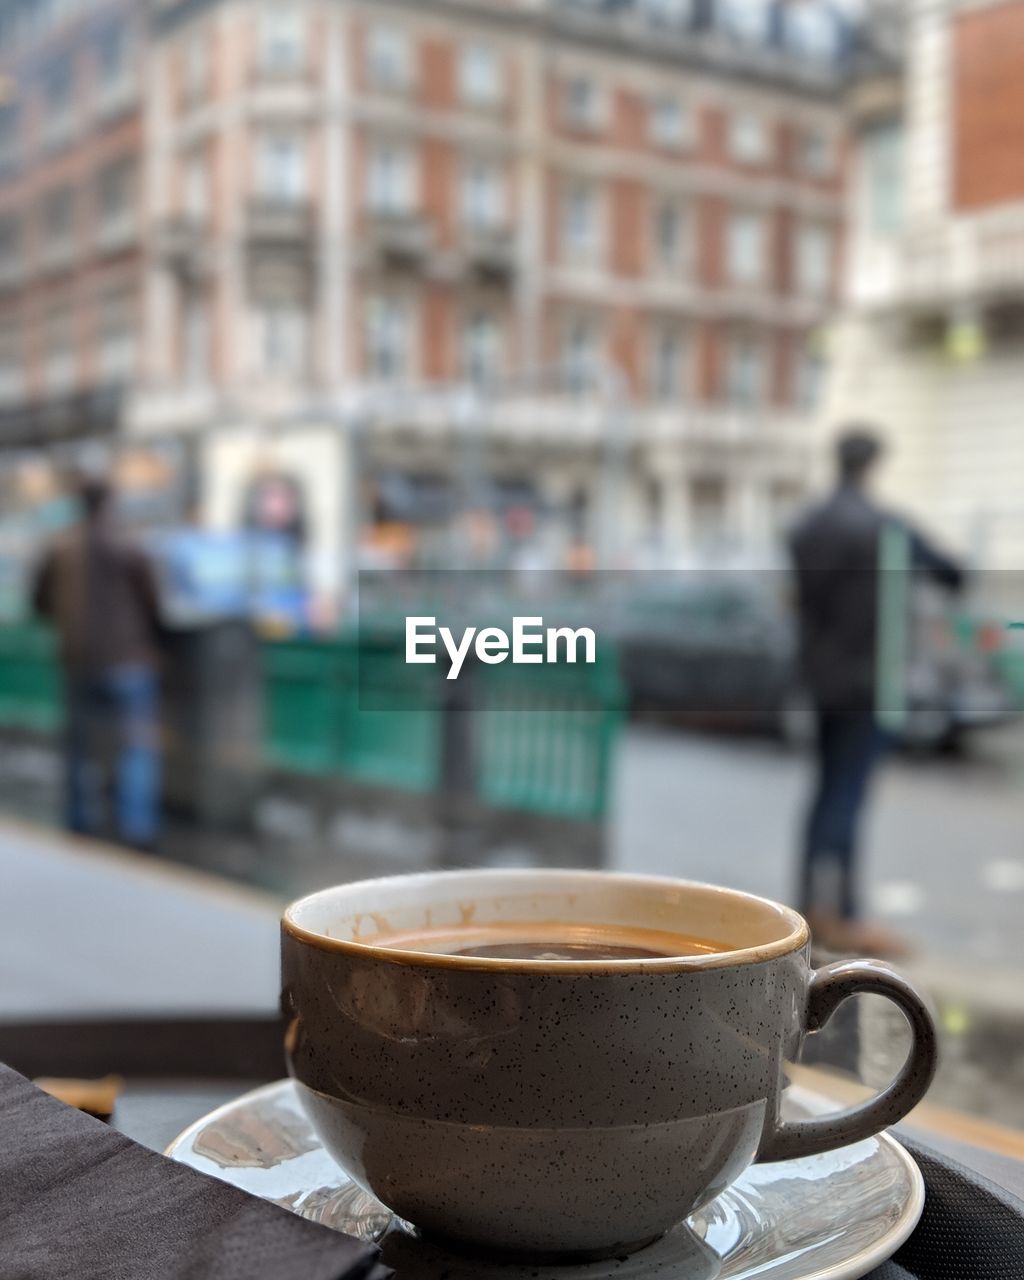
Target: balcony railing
[(12, 270), (491, 252), (117, 97), (116, 233), (274, 222), (55, 417), (56, 255), (181, 241), (59, 131), (399, 237), (970, 259)]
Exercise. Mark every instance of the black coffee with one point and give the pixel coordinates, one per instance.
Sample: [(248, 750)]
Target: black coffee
[(562, 951), (554, 940)]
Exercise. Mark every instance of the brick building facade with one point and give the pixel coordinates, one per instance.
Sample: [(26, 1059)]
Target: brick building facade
[(305, 220)]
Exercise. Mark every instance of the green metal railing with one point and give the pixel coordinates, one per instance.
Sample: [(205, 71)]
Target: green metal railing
[(315, 723), (543, 736), (31, 692)]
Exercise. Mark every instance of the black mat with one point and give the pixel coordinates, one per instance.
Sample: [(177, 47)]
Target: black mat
[(971, 1228), (79, 1200)]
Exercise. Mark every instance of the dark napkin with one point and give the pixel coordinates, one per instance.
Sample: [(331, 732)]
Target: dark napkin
[(971, 1228), (78, 1200)]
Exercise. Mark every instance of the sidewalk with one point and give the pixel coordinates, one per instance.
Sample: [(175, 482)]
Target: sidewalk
[(87, 930), (677, 814)]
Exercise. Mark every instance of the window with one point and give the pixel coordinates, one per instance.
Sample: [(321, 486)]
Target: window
[(10, 123), (390, 178), (810, 378), (817, 153), (58, 119), (387, 339), (281, 172), (812, 31), (284, 339), (12, 377), (785, 498), (195, 186), (481, 348), (115, 80), (582, 103), (482, 199), (666, 365), (580, 362), (10, 239), (196, 64), (745, 248), (668, 13), (749, 138), (282, 39), (112, 52), (667, 121), (667, 233), (480, 75), (749, 20), (59, 363), (196, 327), (654, 505), (115, 194), (8, 32), (708, 504), (882, 178), (744, 372), (59, 224), (117, 338), (814, 260), (579, 220), (389, 58)]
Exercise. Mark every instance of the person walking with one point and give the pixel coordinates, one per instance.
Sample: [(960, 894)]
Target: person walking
[(100, 593), (835, 550)]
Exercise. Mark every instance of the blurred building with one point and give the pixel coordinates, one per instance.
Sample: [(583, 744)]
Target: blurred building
[(932, 342), (279, 231)]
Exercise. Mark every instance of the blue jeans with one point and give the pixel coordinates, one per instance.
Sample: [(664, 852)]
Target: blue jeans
[(117, 706), (849, 746)]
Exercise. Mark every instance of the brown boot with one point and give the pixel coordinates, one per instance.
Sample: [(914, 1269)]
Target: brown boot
[(831, 932)]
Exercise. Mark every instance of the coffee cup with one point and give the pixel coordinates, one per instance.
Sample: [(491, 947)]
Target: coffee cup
[(560, 1063)]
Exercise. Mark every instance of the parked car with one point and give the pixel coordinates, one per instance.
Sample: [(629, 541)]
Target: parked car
[(717, 653), (955, 681), (720, 652)]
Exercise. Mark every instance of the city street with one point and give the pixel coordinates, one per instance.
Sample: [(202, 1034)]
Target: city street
[(943, 867), (944, 854)]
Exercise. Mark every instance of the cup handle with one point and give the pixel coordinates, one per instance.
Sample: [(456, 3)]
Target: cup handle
[(829, 987)]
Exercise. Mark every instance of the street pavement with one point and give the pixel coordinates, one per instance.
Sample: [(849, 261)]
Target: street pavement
[(943, 845), (943, 866)]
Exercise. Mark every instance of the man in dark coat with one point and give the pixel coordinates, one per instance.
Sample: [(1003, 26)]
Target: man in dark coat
[(100, 594), (835, 549)]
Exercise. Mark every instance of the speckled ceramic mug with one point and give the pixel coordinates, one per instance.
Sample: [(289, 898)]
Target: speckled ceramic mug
[(554, 1106)]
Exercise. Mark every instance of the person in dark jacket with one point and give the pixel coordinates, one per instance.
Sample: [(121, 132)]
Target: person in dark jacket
[(100, 593), (835, 549)]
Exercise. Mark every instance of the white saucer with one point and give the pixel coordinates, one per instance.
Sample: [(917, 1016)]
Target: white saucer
[(829, 1217)]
